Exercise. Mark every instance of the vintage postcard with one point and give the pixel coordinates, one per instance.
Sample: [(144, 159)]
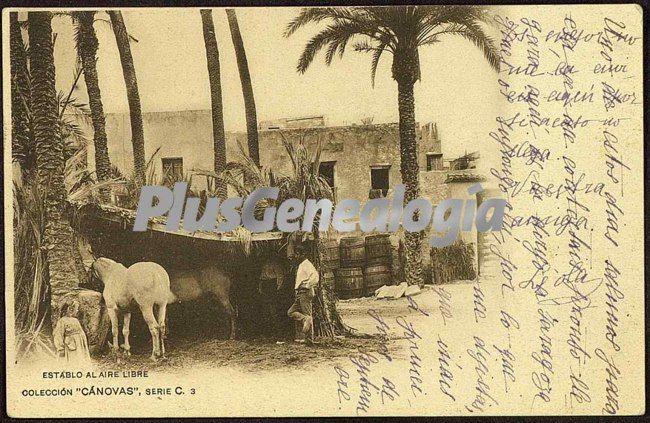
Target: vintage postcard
[(324, 211)]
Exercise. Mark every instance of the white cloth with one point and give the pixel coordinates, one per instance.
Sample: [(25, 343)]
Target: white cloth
[(307, 275)]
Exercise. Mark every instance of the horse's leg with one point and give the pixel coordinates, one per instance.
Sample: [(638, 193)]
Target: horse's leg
[(126, 329), (234, 320), (112, 314), (162, 320), (232, 316), (166, 326), (147, 313)]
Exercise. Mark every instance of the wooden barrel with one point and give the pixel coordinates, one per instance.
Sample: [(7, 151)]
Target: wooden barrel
[(375, 277), (349, 283), (352, 252), (328, 280), (378, 250), (329, 250)]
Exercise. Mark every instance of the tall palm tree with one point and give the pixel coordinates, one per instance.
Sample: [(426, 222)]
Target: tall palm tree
[(50, 164), (400, 30), (87, 45), (135, 110), (246, 85), (214, 73), (21, 146)]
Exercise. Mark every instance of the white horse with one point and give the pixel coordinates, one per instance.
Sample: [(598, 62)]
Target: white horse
[(145, 282)]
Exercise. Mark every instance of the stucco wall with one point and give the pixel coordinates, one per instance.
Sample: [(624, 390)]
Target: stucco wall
[(354, 149), (459, 190), (433, 186), (188, 134)]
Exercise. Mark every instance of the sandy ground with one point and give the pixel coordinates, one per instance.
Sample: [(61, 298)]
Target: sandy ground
[(250, 355), (355, 312), (268, 355)]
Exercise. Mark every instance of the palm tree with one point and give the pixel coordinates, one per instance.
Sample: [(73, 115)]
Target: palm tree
[(302, 182), (246, 85), (135, 110), (58, 237), (400, 30), (214, 73), (87, 45), (21, 146)]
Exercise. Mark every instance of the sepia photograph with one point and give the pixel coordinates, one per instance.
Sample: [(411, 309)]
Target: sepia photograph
[(324, 211)]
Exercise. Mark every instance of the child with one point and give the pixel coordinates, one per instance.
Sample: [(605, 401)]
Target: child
[(69, 338)]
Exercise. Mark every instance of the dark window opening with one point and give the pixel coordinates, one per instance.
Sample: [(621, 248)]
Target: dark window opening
[(434, 162), (326, 171), (379, 181), (172, 168)]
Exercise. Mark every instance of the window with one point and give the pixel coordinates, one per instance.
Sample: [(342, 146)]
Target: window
[(172, 167), (434, 161), (379, 181), (326, 171)]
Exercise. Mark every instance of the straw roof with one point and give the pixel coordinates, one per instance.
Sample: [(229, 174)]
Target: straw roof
[(126, 217)]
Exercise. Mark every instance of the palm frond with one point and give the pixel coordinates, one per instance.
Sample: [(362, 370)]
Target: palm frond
[(64, 100), (336, 34), (485, 43), (245, 239), (305, 181), (387, 28), (376, 51), (29, 276), (309, 15), (345, 23), (338, 44), (149, 164), (465, 21)]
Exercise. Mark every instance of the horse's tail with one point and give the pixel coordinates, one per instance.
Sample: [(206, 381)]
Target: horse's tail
[(171, 297)]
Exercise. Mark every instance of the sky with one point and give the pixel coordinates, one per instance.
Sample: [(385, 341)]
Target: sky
[(455, 91)]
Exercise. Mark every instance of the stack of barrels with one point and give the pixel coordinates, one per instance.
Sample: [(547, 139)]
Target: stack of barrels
[(350, 274), (364, 265), (329, 261), (378, 262)]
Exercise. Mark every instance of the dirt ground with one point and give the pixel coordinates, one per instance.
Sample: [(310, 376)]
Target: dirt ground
[(253, 355), (265, 354), (260, 354)]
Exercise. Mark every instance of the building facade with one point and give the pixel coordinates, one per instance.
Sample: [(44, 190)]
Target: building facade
[(359, 161)]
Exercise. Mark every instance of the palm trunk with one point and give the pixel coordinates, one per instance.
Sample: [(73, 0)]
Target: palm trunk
[(327, 319), (247, 87), (58, 238), (132, 94), (87, 44), (214, 73), (410, 171), (22, 148)]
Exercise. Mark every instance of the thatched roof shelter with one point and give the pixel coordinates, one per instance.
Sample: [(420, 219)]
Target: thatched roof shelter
[(109, 230)]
